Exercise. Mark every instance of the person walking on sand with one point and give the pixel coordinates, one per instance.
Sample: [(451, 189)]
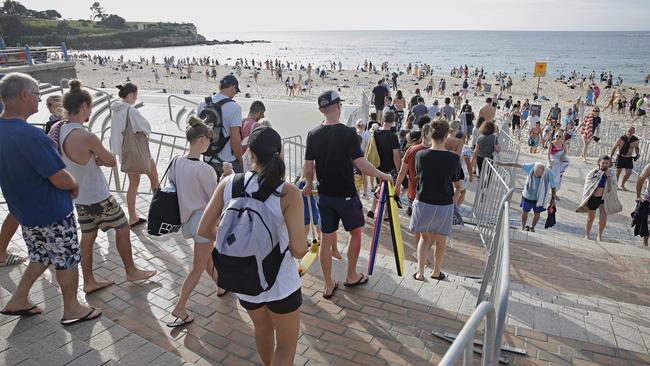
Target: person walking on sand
[(195, 182), (83, 153), (599, 193), (433, 208), (628, 152), (539, 191), (124, 111), (333, 150), (39, 193)]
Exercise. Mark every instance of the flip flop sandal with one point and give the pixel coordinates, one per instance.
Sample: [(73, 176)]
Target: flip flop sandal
[(12, 260), (527, 228), (178, 322), (362, 281), (23, 312), (440, 277), (532, 229), (222, 294), (327, 297), (139, 222), (415, 277), (85, 318)]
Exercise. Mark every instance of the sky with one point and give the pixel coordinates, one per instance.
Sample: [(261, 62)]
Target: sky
[(214, 17)]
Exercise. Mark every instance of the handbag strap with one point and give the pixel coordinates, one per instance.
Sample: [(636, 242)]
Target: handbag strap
[(167, 171)]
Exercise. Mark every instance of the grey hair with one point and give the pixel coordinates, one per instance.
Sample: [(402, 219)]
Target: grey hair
[(15, 83), (539, 165)]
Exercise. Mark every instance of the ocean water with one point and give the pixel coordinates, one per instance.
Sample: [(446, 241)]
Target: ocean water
[(623, 53)]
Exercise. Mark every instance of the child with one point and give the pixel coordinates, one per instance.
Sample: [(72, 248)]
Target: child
[(314, 214)]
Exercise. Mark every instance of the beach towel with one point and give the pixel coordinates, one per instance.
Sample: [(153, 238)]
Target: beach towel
[(611, 203), (544, 188), (550, 217)]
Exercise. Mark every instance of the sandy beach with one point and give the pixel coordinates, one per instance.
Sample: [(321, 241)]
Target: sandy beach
[(350, 83)]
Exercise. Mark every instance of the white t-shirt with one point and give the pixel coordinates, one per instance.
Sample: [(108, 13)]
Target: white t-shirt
[(232, 117), (532, 120), (288, 280), (195, 182)]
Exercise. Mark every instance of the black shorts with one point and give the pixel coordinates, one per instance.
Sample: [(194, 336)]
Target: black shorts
[(346, 209), (594, 203), (379, 107), (284, 306), (624, 162), (640, 112)]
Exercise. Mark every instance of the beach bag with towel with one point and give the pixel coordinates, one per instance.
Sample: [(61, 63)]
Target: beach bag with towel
[(212, 117), (164, 211), (136, 157), (247, 253), (372, 154)]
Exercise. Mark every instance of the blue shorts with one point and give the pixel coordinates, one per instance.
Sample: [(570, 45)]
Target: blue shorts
[(528, 205), (346, 209), (314, 210)]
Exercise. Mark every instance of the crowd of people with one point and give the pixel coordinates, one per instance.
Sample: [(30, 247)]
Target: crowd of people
[(433, 152)]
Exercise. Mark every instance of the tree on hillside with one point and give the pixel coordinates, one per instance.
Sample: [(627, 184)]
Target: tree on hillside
[(112, 21), (98, 11), (14, 8)]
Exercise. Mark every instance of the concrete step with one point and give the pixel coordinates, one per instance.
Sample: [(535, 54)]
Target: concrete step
[(41, 340)]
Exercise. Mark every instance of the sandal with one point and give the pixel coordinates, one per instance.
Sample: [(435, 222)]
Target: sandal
[(415, 277), (526, 228), (440, 277), (326, 296), (178, 322), (23, 312), (362, 281), (532, 229), (85, 318), (138, 223), (12, 260)]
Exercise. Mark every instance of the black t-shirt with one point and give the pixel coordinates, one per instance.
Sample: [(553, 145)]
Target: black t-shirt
[(625, 149), (386, 142), (414, 100), (380, 93), (334, 148), (436, 171)]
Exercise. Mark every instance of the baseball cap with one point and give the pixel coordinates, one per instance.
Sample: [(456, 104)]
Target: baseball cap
[(264, 141), (328, 98), (227, 81)]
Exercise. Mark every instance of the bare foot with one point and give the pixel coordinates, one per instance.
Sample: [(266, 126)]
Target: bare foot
[(623, 188), (94, 286), (336, 254), (599, 238), (139, 275), (587, 237)]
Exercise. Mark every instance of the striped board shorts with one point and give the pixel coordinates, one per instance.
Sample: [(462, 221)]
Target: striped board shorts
[(427, 218), (104, 215)]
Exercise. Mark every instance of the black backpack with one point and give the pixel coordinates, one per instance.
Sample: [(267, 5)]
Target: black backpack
[(211, 114)]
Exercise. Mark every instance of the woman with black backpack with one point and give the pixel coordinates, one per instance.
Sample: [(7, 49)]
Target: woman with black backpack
[(195, 181), (245, 212)]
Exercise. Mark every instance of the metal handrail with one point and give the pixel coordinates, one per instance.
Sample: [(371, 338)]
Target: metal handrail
[(169, 104), (464, 343)]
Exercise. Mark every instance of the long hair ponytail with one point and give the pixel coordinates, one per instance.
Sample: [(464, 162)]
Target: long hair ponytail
[(270, 170)]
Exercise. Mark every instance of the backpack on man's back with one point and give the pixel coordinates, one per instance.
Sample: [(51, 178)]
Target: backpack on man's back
[(213, 117)]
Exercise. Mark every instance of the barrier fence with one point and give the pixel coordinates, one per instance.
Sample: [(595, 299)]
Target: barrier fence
[(510, 150), (494, 309), (19, 56)]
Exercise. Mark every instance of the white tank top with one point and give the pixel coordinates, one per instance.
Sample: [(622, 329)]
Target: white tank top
[(92, 183), (288, 280)]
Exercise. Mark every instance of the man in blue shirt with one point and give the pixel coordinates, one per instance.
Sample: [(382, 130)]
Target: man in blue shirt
[(539, 184), (39, 193)]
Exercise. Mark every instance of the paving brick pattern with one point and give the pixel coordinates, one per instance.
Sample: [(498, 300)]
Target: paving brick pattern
[(573, 302)]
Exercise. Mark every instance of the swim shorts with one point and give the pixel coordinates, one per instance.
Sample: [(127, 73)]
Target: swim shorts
[(594, 202), (56, 243), (623, 162), (528, 205), (104, 215), (348, 210)]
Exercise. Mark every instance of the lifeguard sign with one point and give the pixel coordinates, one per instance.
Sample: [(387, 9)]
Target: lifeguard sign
[(540, 69)]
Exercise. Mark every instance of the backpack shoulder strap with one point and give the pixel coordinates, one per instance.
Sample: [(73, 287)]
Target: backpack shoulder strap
[(238, 185), (223, 101)]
